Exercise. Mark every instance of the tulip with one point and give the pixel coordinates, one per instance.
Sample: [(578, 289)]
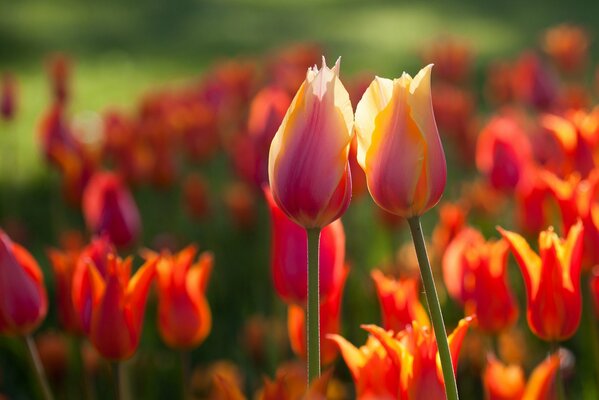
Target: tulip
[(594, 283), (315, 136), (118, 306), (289, 256), (567, 45), (184, 318), (8, 97), (109, 208), (503, 382), (330, 314), (64, 264), (552, 281), (543, 380), (23, 299), (533, 83), (503, 152), (59, 71), (452, 57), (452, 219), (473, 268), (289, 384), (95, 253), (531, 205), (399, 302), (399, 146)]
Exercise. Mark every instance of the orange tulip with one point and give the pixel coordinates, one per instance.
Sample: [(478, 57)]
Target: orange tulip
[(184, 318), (118, 306), (531, 195), (64, 264), (414, 352), (95, 253), (472, 269), (542, 381), (503, 382), (23, 299), (399, 147), (289, 256), (533, 83), (568, 46), (314, 137), (552, 281), (290, 384), (399, 301), (330, 321), (452, 218)]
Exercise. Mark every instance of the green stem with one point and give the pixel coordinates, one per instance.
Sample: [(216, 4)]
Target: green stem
[(451, 388), (38, 368), (185, 372), (313, 309), (115, 367), (559, 383), (81, 373)]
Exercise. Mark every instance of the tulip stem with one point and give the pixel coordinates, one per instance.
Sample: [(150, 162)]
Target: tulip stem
[(451, 388), (37, 367), (313, 309), (559, 383), (115, 367), (185, 372)]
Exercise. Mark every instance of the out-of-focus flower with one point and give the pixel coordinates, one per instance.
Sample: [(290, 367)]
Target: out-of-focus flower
[(196, 195), (110, 209), (54, 355), (452, 58), (498, 85), (473, 268), (221, 378), (533, 83), (503, 382), (574, 96), (531, 205), (118, 306), (480, 197), (223, 389), (552, 280), (8, 97), (399, 301), (503, 152), (287, 68), (64, 264), (567, 45), (594, 283), (289, 254), (542, 382), (59, 72), (452, 219), (184, 317), (330, 321), (23, 298), (55, 134), (290, 384), (396, 117), (315, 136), (95, 253), (241, 203)]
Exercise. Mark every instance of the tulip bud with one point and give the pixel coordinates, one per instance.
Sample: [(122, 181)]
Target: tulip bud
[(23, 299), (109, 208), (308, 165), (503, 382), (399, 147), (8, 97)]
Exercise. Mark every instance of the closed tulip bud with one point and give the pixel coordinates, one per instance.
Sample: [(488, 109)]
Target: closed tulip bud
[(473, 268), (289, 256), (118, 306), (184, 318), (308, 165), (399, 146), (399, 301), (23, 299), (110, 209), (503, 382), (552, 280)]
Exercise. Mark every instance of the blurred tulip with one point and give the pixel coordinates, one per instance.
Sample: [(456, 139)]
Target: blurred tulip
[(531, 205), (64, 264), (59, 71), (241, 203), (396, 117), (542, 381), (452, 58), (473, 268), (567, 45), (287, 68), (533, 83), (330, 321), (8, 97), (53, 352), (109, 208), (196, 195), (289, 256), (399, 301), (315, 136), (503, 152), (290, 384), (56, 135), (503, 382), (552, 280), (223, 389), (118, 306), (594, 283), (498, 85), (23, 298), (184, 317), (95, 253), (452, 218)]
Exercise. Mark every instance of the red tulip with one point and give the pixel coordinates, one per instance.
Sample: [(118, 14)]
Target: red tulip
[(23, 299), (533, 83), (503, 382), (289, 256), (452, 58), (64, 264), (184, 317), (472, 269), (552, 280), (531, 205), (59, 72), (8, 97), (109, 208), (567, 45), (118, 306)]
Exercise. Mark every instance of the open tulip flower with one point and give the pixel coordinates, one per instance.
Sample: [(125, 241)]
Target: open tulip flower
[(289, 255), (552, 279), (184, 318), (23, 298), (472, 269), (399, 146), (399, 301), (308, 164), (118, 306)]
